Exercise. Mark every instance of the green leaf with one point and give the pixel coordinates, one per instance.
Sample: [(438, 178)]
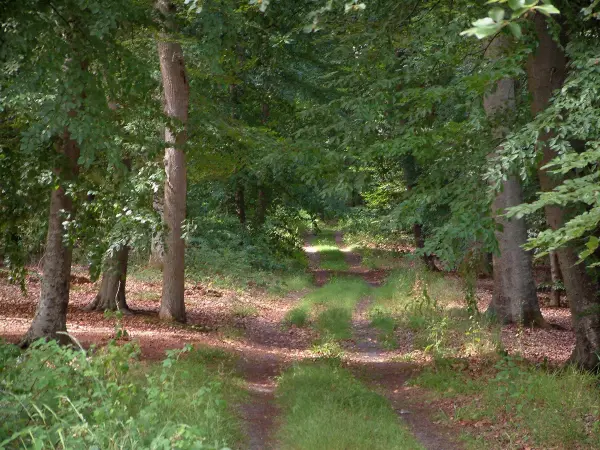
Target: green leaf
[(516, 4), (515, 29), (547, 9), (497, 14)]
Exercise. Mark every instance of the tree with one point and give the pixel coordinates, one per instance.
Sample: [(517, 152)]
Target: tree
[(111, 296), (514, 299), (51, 315), (176, 100), (547, 69)]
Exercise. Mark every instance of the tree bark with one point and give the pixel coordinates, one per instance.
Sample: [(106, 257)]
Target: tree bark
[(176, 94), (546, 71), (515, 296), (51, 314), (556, 277), (111, 296), (262, 206), (240, 203)]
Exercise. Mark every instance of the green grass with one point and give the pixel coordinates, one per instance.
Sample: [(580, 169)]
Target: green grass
[(290, 282), (297, 316), (386, 324), (335, 323), (331, 257), (145, 274), (244, 310), (545, 409), (374, 258), (331, 306), (325, 407), (148, 296)]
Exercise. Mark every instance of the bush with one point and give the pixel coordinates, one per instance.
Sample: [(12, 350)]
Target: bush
[(63, 397)]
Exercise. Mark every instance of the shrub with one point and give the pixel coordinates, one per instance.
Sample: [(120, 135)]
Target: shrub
[(64, 397)]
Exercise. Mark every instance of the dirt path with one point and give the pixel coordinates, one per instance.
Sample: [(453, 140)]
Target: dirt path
[(260, 411), (375, 365), (259, 368)]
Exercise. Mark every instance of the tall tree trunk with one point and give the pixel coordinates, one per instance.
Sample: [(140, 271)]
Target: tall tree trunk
[(556, 277), (51, 314), (515, 296), (262, 206), (157, 246), (176, 94), (546, 70), (240, 203), (111, 296), (420, 244), (411, 174)]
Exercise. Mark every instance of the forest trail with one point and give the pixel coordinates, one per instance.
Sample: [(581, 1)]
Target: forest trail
[(366, 359), (376, 367), (260, 411)]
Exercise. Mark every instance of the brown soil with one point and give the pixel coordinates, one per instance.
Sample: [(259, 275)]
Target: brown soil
[(260, 412)]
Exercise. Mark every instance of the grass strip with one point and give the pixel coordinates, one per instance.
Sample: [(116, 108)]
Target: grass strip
[(331, 257), (325, 407), (330, 307)]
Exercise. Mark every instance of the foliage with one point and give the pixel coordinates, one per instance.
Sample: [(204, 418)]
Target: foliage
[(571, 114), (498, 18), (62, 396)]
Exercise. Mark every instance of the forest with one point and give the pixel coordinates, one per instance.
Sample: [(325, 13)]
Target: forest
[(299, 224)]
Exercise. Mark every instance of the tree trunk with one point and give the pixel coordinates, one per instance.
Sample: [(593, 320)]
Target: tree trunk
[(261, 209), (176, 94), (51, 314), (556, 278), (515, 296), (546, 70), (240, 203), (111, 296), (157, 246), (420, 243)]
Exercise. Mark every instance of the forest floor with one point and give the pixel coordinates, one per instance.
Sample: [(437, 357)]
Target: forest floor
[(261, 330)]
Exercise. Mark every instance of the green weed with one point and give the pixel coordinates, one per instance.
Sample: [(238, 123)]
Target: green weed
[(335, 323), (148, 296), (386, 324), (64, 397), (243, 311), (329, 349), (331, 258), (546, 409), (297, 316)]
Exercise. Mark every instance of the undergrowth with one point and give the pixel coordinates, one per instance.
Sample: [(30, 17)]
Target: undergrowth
[(520, 404), (64, 397), (325, 407)]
